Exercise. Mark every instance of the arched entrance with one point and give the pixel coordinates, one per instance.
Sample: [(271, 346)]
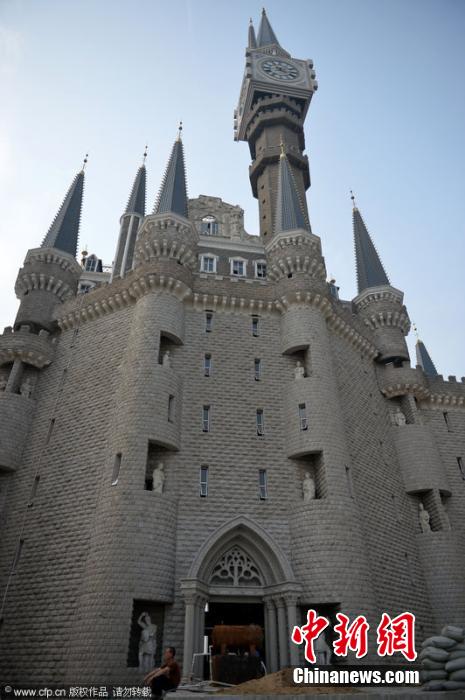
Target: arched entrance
[(241, 564)]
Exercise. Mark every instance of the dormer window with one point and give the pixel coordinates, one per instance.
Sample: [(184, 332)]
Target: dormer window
[(260, 269), (91, 263), (208, 263), (238, 267), (209, 226)]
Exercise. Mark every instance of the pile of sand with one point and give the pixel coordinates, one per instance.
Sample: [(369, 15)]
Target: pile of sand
[(280, 683)]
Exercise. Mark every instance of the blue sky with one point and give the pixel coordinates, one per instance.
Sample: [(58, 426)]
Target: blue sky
[(388, 122)]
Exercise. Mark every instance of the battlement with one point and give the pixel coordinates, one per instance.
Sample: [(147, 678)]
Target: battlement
[(36, 349)]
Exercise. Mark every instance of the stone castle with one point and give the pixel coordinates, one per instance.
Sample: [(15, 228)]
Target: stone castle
[(207, 433)]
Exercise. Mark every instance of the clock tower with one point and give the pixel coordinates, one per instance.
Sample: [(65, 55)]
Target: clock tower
[(275, 96)]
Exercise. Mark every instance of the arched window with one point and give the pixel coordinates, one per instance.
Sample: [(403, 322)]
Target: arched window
[(209, 226)]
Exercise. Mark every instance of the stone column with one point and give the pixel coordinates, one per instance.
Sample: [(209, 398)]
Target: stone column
[(292, 622), (16, 374), (282, 633), (189, 633), (271, 637)]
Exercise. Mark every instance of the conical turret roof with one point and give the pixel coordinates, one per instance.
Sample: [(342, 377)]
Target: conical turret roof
[(266, 34), (289, 211), (424, 359), (370, 270), (173, 192), (136, 202), (63, 234)]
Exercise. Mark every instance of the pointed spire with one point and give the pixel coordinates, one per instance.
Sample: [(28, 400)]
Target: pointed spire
[(64, 232), (370, 270), (266, 34), (136, 202), (289, 211), (424, 359), (252, 42), (173, 192)]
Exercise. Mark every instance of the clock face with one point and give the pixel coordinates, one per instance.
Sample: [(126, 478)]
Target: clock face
[(279, 70)]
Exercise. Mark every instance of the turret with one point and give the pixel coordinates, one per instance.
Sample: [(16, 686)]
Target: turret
[(51, 273), (275, 96), (424, 359), (130, 223), (378, 302)]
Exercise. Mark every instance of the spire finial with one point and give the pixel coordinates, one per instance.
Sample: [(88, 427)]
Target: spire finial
[(415, 330), (145, 154), (352, 196), (179, 131), (250, 20), (84, 162)]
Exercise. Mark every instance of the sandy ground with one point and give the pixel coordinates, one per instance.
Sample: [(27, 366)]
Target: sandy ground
[(280, 683)]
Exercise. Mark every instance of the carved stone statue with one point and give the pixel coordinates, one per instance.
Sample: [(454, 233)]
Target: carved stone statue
[(147, 642), (26, 389), (158, 478), (322, 650), (166, 361), (299, 370), (308, 488), (424, 518), (399, 418)]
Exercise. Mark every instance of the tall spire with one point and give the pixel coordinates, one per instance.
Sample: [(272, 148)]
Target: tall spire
[(424, 359), (252, 42), (266, 34), (136, 202), (173, 192), (370, 270), (64, 232), (289, 211)]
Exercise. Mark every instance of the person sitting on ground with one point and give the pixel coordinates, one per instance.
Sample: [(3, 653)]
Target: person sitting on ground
[(167, 677)]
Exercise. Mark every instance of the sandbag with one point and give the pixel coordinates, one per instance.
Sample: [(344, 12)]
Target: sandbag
[(457, 633), (433, 685), (456, 654), (457, 675), (433, 665), (432, 676), (438, 641), (455, 664), (434, 653), (453, 685)]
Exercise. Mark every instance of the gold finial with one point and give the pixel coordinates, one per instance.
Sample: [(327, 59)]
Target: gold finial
[(352, 196), (179, 131), (84, 162), (281, 145), (145, 154), (415, 330)]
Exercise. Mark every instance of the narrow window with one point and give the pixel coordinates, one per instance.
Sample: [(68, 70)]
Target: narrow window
[(260, 270), (207, 365), (34, 489), (303, 416), (255, 326), (208, 263), (116, 468), (447, 421), (258, 369), (208, 322), (461, 467), (206, 419), (262, 484), (171, 408), (204, 481), (260, 422)]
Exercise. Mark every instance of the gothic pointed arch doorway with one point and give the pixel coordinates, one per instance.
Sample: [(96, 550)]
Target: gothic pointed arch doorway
[(240, 564)]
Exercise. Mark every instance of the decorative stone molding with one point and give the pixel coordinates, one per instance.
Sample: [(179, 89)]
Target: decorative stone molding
[(399, 381), (55, 256), (397, 319), (27, 281), (378, 294), (30, 348)]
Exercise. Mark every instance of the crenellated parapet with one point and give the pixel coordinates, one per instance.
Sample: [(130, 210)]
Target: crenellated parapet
[(31, 348), (446, 392), (399, 381), (167, 236), (295, 252), (48, 278), (382, 310)]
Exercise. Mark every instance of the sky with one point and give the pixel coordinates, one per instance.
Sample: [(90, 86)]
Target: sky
[(107, 77)]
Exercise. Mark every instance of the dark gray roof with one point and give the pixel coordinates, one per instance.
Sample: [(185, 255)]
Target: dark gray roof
[(252, 42), (173, 192), (266, 34), (136, 202), (289, 211), (64, 232), (370, 270), (424, 360)]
